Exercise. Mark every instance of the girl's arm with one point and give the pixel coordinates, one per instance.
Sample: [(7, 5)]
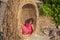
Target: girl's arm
[(33, 29)]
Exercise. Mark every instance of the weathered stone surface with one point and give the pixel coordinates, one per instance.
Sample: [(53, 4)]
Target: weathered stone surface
[(4, 0), (13, 18), (16, 13), (44, 22), (38, 37), (2, 10)]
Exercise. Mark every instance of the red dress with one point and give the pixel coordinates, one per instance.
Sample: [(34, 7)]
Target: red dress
[(27, 29)]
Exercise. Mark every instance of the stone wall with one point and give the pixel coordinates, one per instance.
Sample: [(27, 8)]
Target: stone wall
[(44, 22), (12, 18), (2, 10)]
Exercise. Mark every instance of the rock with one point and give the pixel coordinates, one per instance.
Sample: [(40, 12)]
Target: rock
[(38, 37), (2, 10), (4, 0)]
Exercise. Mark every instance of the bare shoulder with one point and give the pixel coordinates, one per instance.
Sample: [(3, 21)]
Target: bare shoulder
[(22, 25), (32, 24)]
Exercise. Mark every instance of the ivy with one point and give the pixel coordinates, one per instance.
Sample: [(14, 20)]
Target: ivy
[(51, 8)]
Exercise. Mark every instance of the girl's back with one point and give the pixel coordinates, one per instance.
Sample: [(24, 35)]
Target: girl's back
[(27, 29)]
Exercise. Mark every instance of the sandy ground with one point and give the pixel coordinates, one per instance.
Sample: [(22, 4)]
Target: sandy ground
[(38, 37)]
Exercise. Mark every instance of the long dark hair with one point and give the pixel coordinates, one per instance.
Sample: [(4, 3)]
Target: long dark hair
[(28, 21)]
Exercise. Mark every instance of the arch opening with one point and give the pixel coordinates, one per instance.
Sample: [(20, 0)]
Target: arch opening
[(29, 11)]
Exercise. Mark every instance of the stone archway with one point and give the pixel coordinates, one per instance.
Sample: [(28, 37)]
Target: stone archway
[(29, 11)]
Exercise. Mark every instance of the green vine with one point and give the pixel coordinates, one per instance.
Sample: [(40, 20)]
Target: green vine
[(51, 8)]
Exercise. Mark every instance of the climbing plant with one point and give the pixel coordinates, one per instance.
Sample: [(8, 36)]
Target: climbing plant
[(51, 8)]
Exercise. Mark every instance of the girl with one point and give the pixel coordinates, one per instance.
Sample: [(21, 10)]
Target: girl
[(27, 28)]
